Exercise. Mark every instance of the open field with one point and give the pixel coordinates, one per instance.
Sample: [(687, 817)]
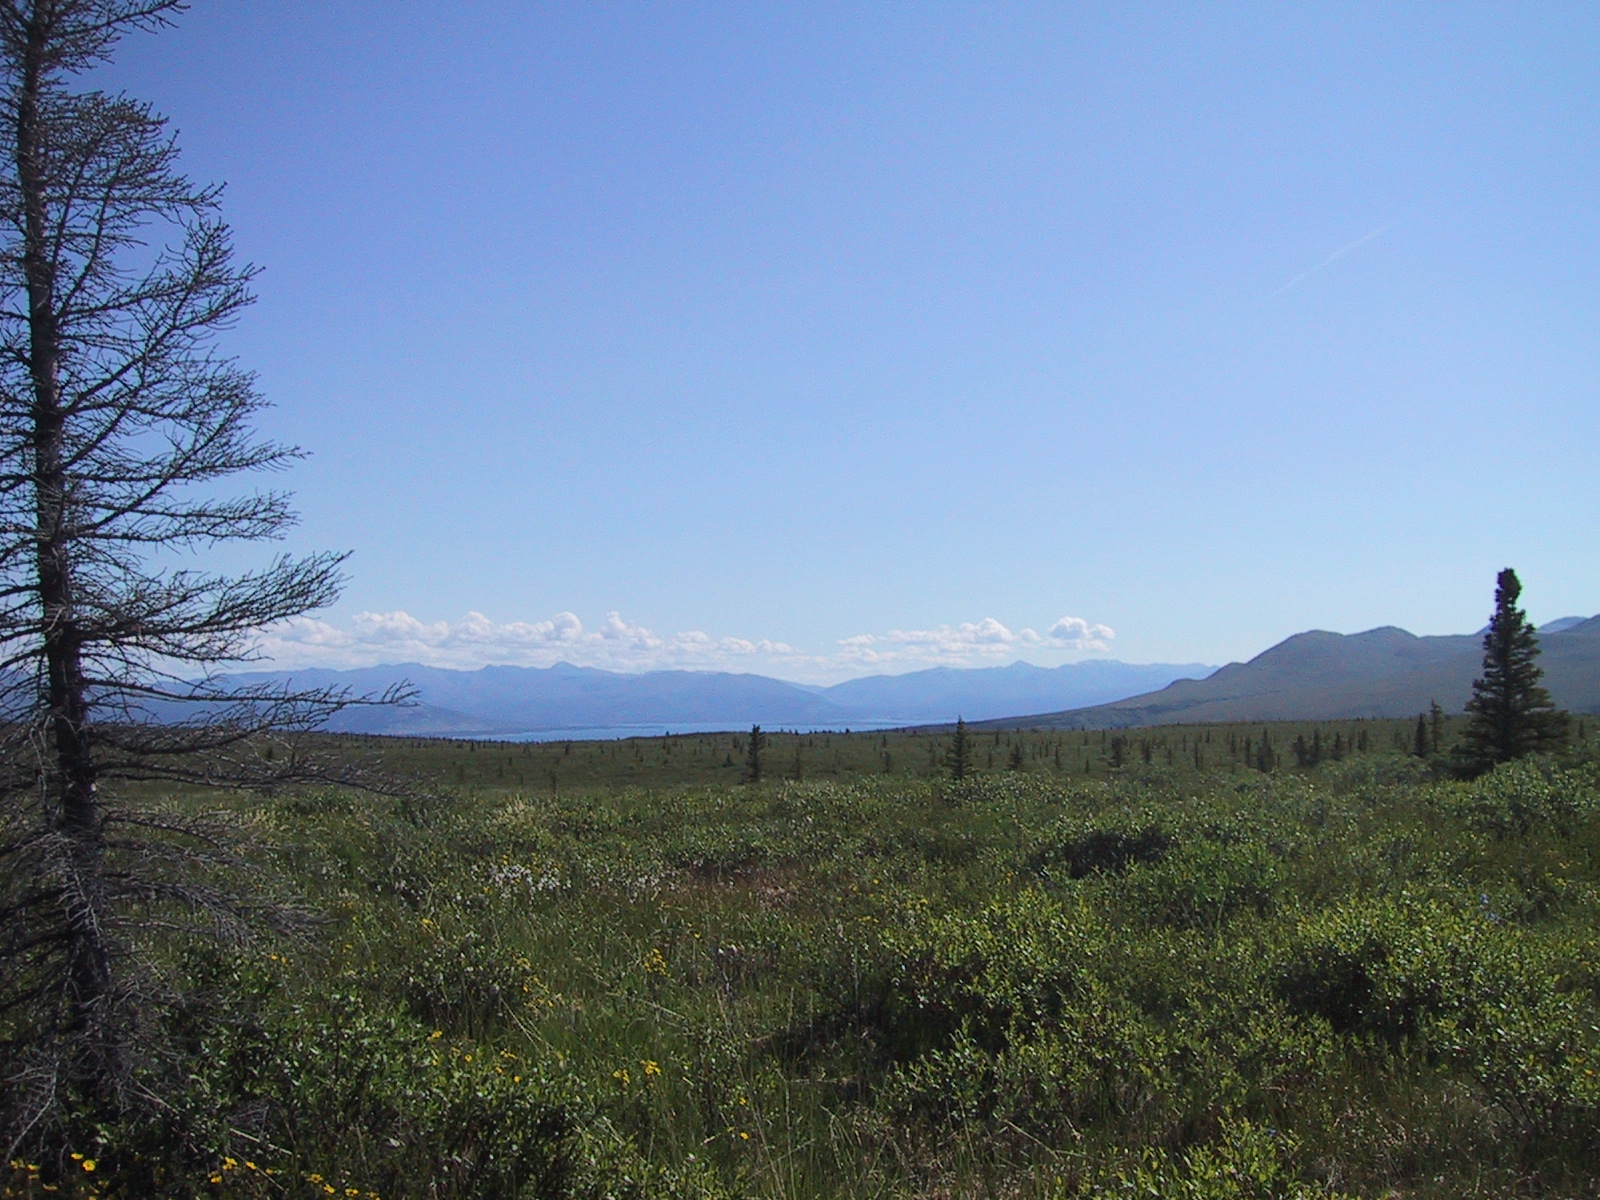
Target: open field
[(611, 969)]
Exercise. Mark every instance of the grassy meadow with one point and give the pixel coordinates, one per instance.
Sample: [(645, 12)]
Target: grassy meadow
[(613, 969)]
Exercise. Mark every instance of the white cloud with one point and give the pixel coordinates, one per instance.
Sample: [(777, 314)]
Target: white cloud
[(476, 640), (369, 638), (971, 643), (1080, 635)]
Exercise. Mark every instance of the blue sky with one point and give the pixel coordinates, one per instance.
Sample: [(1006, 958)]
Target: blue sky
[(826, 339)]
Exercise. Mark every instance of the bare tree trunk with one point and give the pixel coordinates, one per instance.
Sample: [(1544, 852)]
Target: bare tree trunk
[(117, 420), (71, 798)]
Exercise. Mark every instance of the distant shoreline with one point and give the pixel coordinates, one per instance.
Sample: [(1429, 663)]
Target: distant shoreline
[(596, 733)]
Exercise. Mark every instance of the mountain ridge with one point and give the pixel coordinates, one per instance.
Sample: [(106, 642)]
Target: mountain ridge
[(507, 701), (1318, 675)]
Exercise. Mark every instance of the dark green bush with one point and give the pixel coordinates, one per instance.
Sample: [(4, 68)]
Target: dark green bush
[(1108, 851)]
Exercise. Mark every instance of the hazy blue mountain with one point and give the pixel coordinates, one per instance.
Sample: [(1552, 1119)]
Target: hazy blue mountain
[(1383, 672), (503, 700), (1561, 624), (945, 693), (499, 701)]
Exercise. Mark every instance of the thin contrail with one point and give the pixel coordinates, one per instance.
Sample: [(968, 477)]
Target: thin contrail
[(1337, 254)]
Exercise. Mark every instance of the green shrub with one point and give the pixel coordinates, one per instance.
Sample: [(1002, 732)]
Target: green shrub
[(1525, 794), (1245, 1161), (1204, 883), (1467, 990), (1106, 851), (1015, 963)]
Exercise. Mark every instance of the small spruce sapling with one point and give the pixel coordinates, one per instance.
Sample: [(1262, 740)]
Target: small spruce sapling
[(959, 760), (752, 758)]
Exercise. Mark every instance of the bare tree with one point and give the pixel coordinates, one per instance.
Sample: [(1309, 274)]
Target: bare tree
[(117, 418)]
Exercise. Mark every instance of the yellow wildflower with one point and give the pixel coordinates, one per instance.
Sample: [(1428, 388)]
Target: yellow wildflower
[(89, 1164)]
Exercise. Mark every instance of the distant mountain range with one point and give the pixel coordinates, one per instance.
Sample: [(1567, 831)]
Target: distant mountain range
[(1384, 672), (1322, 676), (509, 701)]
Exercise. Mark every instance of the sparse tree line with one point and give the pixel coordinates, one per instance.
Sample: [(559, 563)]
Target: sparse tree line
[(1509, 716)]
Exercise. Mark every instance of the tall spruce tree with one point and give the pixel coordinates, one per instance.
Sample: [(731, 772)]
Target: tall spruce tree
[(1510, 714)]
